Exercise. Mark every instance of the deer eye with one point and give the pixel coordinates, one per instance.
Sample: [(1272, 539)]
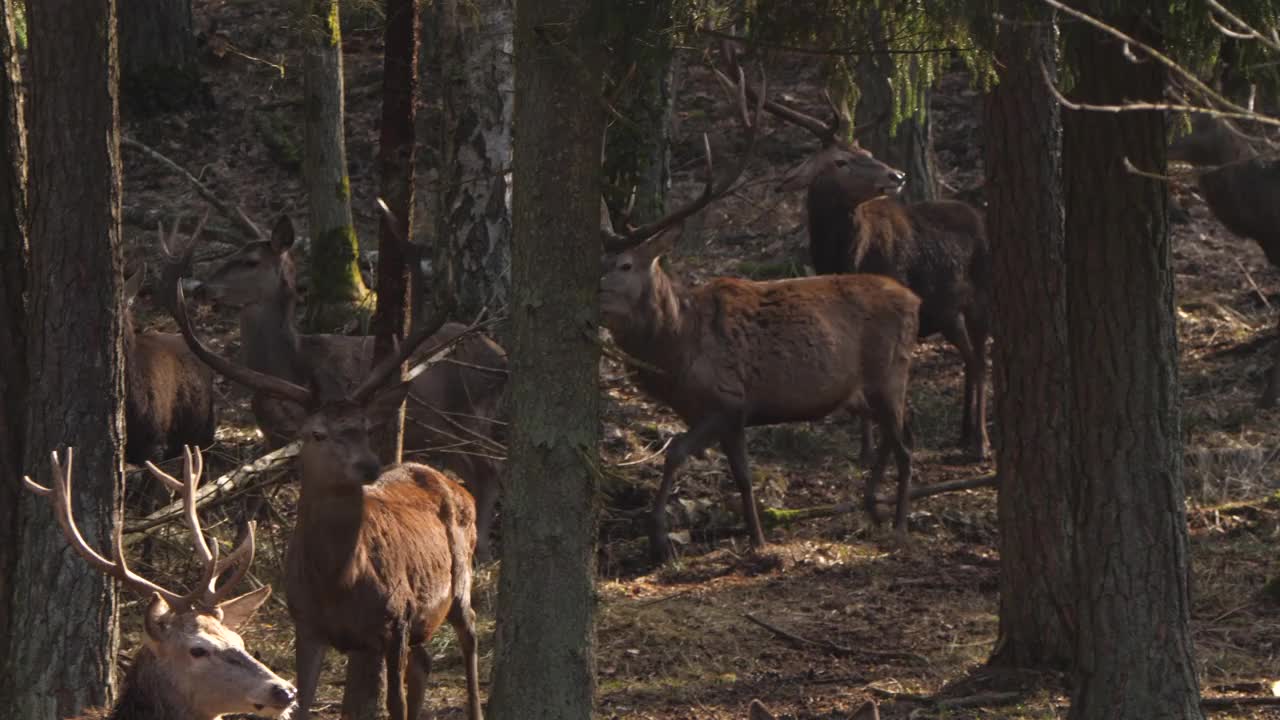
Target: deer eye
[(625, 266), (199, 652), (318, 435)]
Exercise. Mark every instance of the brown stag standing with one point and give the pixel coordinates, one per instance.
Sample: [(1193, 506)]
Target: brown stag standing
[(938, 248), (378, 558), (192, 665), (452, 416), (731, 354)]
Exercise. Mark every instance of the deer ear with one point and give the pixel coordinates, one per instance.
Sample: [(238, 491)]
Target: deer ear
[(282, 235), (385, 402), (238, 610), (758, 712), (868, 711), (662, 243), (159, 618), (799, 177), (133, 283)]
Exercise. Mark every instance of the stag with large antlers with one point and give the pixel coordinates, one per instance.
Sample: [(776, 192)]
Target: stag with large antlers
[(452, 417), (731, 354), (937, 248), (192, 665), (379, 558)]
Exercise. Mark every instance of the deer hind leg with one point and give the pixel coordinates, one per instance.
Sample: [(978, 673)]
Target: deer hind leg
[(463, 620), (397, 660), (956, 331), (483, 485), (979, 331), (866, 450), (697, 439), (734, 444), (416, 679)]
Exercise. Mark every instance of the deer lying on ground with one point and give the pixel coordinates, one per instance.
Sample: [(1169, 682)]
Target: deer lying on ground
[(937, 248), (731, 354), (192, 665), (379, 557), (1243, 191), (452, 415)]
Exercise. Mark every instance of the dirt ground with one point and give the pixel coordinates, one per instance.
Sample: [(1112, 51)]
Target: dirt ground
[(870, 618)]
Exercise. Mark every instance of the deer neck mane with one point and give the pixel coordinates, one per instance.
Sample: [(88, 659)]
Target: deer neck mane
[(327, 532), (148, 694), (270, 338), (655, 336)]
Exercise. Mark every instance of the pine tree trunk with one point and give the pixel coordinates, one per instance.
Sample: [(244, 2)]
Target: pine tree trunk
[(545, 667), (158, 66), (13, 283), (65, 658), (333, 269), (396, 178), (637, 154), (1025, 226), (1134, 656), (474, 224)]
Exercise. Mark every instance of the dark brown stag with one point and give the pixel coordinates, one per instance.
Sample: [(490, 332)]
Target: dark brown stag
[(453, 409), (1243, 191), (379, 558), (937, 248), (731, 354), (192, 665)]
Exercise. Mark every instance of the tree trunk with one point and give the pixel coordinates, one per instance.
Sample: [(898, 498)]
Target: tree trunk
[(396, 175), (909, 146), (545, 667), (637, 154), (13, 283), (65, 658), (1025, 226), (333, 269), (158, 67), (473, 251), (1134, 655)]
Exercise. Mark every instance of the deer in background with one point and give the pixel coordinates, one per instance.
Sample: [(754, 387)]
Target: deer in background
[(731, 354), (379, 558), (192, 665), (937, 248), (1243, 191), (453, 409)]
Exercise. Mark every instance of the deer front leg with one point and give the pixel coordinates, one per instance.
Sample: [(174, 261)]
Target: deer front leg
[(696, 440), (308, 653), (734, 444)]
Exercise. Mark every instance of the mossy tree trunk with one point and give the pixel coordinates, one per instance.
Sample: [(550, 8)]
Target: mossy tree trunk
[(1025, 226), (65, 657), (13, 284), (545, 663), (637, 154), (335, 282), (158, 66), (1134, 656), (473, 252)]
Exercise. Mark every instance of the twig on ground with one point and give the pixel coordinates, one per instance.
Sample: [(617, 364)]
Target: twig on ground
[(963, 701), (837, 649), (1249, 278)]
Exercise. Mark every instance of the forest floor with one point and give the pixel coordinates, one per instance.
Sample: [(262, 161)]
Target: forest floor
[(875, 618)]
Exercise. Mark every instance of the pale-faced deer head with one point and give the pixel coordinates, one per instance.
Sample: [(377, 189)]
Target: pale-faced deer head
[(193, 662), (257, 273)]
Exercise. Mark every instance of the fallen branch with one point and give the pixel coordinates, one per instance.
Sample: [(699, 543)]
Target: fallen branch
[(834, 648), (1231, 703), (235, 215), (962, 701), (781, 516)]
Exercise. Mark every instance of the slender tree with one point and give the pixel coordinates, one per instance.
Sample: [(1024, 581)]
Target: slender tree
[(64, 659), (1134, 654), (545, 660), (158, 66), (1025, 226)]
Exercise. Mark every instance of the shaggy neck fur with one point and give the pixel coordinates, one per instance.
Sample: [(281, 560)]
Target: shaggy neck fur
[(148, 695), (830, 227), (270, 337), (654, 335), (328, 530)]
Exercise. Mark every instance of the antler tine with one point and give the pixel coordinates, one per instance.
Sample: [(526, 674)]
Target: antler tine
[(61, 495), (825, 132), (240, 558), (384, 369), (262, 382), (837, 117)]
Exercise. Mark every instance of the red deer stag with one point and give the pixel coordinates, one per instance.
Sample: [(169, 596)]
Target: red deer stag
[(731, 354), (192, 665), (937, 248), (379, 557), (452, 415), (1243, 191)]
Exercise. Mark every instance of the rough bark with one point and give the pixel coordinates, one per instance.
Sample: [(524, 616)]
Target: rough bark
[(13, 283), (637, 155), (545, 660), (474, 224), (65, 658), (396, 179), (1025, 225), (333, 269), (158, 66), (1134, 656)]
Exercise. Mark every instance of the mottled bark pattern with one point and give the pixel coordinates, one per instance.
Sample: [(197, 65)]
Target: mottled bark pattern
[(545, 667), (475, 38), (65, 657), (1134, 651), (335, 275), (13, 282), (1031, 371)]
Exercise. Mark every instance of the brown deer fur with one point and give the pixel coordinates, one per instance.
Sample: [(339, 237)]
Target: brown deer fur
[(736, 353), (1243, 191)]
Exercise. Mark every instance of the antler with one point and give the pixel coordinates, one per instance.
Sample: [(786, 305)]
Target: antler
[(381, 372), (615, 241), (825, 131), (270, 384), (175, 251), (204, 596)]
